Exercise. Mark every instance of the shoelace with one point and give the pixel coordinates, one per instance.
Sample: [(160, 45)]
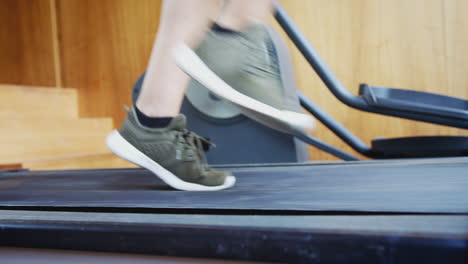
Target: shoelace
[(194, 141)]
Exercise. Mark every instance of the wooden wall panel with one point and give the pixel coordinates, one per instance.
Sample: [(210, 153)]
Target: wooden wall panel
[(104, 47), (417, 44), (26, 43)]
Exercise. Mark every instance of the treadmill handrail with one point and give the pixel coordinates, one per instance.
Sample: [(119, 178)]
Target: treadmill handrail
[(319, 65), (337, 88), (337, 128), (368, 93)]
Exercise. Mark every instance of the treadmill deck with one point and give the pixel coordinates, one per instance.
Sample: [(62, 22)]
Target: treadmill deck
[(439, 187), (403, 211)]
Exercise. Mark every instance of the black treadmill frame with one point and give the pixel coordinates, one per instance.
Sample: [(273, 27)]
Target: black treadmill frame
[(234, 243), (343, 94), (337, 88)]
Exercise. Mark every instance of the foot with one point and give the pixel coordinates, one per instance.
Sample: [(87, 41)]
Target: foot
[(283, 120), (248, 76), (248, 62), (173, 153)]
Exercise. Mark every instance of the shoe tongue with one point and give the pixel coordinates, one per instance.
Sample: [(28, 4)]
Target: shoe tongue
[(178, 123)]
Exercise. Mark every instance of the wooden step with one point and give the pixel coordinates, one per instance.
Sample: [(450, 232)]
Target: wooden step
[(11, 166), (25, 139), (34, 101), (92, 161)]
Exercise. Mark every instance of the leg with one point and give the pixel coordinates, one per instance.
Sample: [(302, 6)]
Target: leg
[(164, 85), (170, 151)]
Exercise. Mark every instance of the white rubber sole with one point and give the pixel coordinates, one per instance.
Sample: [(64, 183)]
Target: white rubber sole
[(285, 121), (120, 147)]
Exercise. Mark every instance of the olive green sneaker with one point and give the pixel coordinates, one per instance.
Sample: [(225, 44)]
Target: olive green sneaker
[(248, 62), (242, 66), (173, 153)]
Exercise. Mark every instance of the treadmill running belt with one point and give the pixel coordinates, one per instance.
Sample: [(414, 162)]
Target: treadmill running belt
[(380, 187)]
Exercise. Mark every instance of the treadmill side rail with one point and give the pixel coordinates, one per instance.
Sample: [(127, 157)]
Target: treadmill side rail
[(341, 92), (415, 101)]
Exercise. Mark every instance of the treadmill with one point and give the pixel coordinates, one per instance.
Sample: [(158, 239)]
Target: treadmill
[(396, 210)]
